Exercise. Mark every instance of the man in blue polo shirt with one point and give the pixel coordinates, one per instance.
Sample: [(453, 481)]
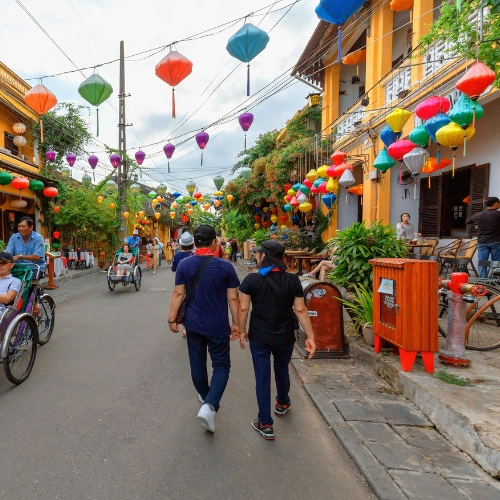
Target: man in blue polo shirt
[(207, 321), (134, 240), (28, 247), (9, 286)]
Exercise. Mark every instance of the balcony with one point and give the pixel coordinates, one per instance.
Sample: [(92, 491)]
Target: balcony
[(351, 122), (438, 55), (398, 84)]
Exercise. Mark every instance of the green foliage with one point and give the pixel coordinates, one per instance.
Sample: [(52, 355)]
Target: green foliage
[(2, 245), (449, 378), (358, 244), (261, 235), (360, 307), (264, 144), (292, 238), (323, 221), (200, 217), (239, 225), (453, 26)]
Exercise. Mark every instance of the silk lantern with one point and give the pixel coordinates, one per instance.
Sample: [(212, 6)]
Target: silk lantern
[(172, 69), (51, 156), (397, 150), (190, 211), (307, 183), (416, 158), (322, 188), (246, 44), (5, 179), (433, 125), (86, 180), (35, 185), (95, 90), (383, 162), (197, 195), (40, 99), (296, 187), (172, 215), (19, 141), (466, 111), (229, 198), (93, 161), (312, 175), (245, 120), (190, 186), (20, 183), (397, 119), (322, 171), (115, 160), (432, 106), (432, 165), (111, 186), (420, 137), (476, 80), (330, 185), (100, 199), (162, 189), (202, 140), (452, 135), (19, 128), (305, 207), (50, 192), (125, 215), (157, 215), (293, 202), (388, 136), (71, 159), (65, 172), (112, 205), (400, 5), (317, 183), (286, 187), (339, 157), (140, 156), (168, 149), (357, 190)]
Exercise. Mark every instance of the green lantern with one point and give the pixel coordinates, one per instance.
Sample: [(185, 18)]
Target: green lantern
[(465, 111), (191, 186), (218, 181), (419, 136), (152, 195), (246, 173), (111, 186), (5, 178), (135, 188), (383, 162), (66, 172), (86, 180), (95, 90), (162, 189), (34, 185)]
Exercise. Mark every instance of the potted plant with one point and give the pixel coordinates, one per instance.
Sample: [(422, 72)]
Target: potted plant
[(360, 308)]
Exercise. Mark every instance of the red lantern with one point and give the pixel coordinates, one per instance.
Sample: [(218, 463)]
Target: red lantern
[(57, 209), (399, 148), (20, 183), (50, 192), (286, 187), (288, 198), (56, 234), (184, 218), (339, 169), (338, 157), (322, 188), (173, 68), (197, 195), (432, 106), (257, 218), (274, 210), (307, 183), (265, 224), (476, 80), (284, 218), (314, 190)]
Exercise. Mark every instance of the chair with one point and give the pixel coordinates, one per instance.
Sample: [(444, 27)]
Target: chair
[(449, 250), (454, 265), (429, 250), (412, 256), (427, 257), (466, 251), (493, 268)]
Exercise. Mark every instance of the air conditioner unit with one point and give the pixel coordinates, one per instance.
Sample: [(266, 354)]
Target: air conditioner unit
[(25, 158), (6, 151)]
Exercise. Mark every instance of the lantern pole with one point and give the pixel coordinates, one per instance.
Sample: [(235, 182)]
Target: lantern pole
[(122, 148)]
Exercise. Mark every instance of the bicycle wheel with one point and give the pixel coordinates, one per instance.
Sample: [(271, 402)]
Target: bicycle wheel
[(491, 292), (482, 331), (137, 278), (22, 341), (45, 319)]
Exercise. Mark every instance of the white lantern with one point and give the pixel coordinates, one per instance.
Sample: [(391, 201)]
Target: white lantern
[(19, 140), (302, 198), (19, 203), (19, 128)]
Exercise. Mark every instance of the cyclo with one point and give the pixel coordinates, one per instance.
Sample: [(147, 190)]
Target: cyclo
[(131, 277), (26, 322)]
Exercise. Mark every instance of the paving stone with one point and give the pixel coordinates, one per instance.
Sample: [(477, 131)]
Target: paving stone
[(347, 391), (453, 464), (365, 382), (477, 490), (355, 410), (423, 438), (403, 414), (420, 486), (325, 406), (371, 431), (399, 456), (385, 397)]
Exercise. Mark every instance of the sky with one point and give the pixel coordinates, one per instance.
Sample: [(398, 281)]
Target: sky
[(90, 31)]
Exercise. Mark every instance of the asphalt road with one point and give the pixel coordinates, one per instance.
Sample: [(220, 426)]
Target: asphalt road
[(109, 412)]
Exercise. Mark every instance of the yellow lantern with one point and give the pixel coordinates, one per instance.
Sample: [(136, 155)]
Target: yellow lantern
[(160, 199), (157, 215), (291, 192), (172, 215), (100, 199), (229, 198), (312, 175), (452, 135), (322, 171), (397, 119), (218, 193), (190, 211), (274, 219), (330, 185), (125, 214), (283, 226), (256, 225), (111, 205), (305, 207), (141, 214), (265, 210)]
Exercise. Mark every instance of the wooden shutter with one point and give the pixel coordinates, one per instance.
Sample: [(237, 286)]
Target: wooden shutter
[(429, 223), (8, 142), (479, 183)]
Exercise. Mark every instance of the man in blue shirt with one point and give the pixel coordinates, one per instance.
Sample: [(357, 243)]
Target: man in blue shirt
[(28, 247), (207, 321), (134, 240), (9, 286)]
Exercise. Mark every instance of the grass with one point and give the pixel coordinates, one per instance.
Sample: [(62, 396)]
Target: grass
[(449, 378)]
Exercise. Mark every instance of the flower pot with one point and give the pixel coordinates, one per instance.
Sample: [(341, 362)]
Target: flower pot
[(368, 334)]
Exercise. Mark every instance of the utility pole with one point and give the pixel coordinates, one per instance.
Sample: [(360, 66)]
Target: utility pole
[(122, 147)]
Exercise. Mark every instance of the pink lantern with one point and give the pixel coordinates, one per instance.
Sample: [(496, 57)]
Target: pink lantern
[(399, 148), (71, 159), (115, 160), (432, 106), (246, 120), (307, 183), (140, 156), (202, 140), (51, 156), (322, 187), (314, 189), (330, 171), (168, 149)]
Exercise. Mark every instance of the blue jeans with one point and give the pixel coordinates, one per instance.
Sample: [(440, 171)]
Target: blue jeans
[(261, 357), (483, 253), (218, 347)]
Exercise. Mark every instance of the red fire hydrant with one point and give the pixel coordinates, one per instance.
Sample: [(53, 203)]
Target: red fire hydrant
[(459, 293)]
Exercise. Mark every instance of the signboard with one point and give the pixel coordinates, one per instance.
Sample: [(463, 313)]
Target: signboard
[(387, 290)]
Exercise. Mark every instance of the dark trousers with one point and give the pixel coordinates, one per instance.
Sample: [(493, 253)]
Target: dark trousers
[(234, 251), (261, 357), (218, 348)]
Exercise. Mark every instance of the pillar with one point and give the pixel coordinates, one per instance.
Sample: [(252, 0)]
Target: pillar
[(423, 17), (330, 96)]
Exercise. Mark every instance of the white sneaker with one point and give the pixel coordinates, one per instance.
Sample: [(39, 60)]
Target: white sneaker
[(201, 400), (207, 417)]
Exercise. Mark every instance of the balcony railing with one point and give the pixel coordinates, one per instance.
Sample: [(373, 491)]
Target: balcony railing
[(398, 84), (351, 122)]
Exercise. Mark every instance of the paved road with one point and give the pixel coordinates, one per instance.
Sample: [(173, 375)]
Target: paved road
[(109, 412)]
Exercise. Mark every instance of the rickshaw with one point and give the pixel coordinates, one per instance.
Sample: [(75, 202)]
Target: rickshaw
[(134, 277), (23, 327)]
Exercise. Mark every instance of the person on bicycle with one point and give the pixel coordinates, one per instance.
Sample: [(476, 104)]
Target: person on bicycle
[(28, 247), (9, 286), (134, 241)]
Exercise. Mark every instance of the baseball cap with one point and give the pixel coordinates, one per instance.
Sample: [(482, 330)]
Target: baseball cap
[(135, 231), (204, 234), (271, 248), (6, 256), (186, 239)]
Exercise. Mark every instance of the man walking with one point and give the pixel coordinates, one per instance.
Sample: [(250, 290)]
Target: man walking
[(488, 236), (206, 321), (234, 249)]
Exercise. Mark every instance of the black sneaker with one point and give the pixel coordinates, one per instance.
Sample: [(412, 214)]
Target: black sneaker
[(266, 431), (280, 410)]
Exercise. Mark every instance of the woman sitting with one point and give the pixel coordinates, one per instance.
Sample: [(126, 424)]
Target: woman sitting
[(124, 261), (323, 267)]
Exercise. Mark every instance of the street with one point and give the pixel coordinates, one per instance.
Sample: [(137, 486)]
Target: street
[(109, 412)]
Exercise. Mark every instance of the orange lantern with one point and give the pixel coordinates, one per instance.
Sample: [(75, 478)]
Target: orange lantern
[(157, 215), (172, 215), (399, 5), (432, 165), (141, 214), (57, 209), (190, 211), (160, 199), (112, 205), (355, 57), (50, 192), (229, 198), (40, 99), (206, 206), (357, 190), (100, 199), (216, 203), (125, 214)]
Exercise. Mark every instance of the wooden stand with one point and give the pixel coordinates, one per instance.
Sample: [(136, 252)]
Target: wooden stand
[(51, 285)]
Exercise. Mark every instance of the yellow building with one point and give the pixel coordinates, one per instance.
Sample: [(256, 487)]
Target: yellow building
[(18, 152), (358, 97)]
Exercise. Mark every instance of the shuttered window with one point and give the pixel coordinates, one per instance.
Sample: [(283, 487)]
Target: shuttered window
[(429, 223), (479, 184), (8, 143)]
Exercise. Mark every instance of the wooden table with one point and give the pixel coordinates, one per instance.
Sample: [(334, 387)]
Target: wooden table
[(301, 258), (418, 245)]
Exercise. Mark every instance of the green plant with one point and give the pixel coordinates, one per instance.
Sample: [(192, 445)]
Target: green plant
[(360, 307), (449, 378), (261, 235), (2, 245), (292, 238), (354, 247)]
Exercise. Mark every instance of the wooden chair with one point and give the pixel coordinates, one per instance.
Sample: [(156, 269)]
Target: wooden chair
[(464, 252), (429, 250), (449, 250)]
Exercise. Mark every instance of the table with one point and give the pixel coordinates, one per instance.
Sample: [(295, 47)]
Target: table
[(418, 245), (291, 255), (59, 267)]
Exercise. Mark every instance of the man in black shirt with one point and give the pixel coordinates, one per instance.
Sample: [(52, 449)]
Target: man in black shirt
[(488, 236), (273, 293)]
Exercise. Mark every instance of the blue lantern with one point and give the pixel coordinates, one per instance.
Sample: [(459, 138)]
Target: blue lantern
[(295, 219), (176, 194), (194, 203), (387, 136), (284, 237), (257, 210), (432, 125), (273, 228), (338, 12), (328, 200), (247, 43), (158, 206), (265, 217)]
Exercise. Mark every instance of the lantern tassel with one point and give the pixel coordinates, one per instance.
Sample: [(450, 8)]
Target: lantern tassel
[(97, 122), (474, 115), (93, 175), (168, 166), (429, 182), (173, 102), (465, 144), (438, 156), (245, 141), (248, 79), (41, 130), (339, 43), (202, 158), (453, 166)]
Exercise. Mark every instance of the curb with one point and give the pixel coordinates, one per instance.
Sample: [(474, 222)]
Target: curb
[(70, 277)]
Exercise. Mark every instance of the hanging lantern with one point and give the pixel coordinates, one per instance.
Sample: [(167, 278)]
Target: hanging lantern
[(218, 181), (135, 189), (125, 215), (35, 186), (340, 169), (162, 189), (314, 190), (246, 173), (247, 43), (287, 207), (140, 156), (357, 190), (50, 192), (399, 148), (355, 57), (51, 156), (246, 120), (172, 69), (168, 149), (115, 160), (452, 135), (305, 207), (152, 195), (330, 185), (206, 206), (65, 172), (190, 186), (86, 180), (432, 106), (274, 219), (383, 162), (174, 205), (328, 200), (293, 202), (20, 183), (322, 188), (197, 195), (157, 215), (388, 136), (93, 160), (229, 198), (312, 175), (71, 159), (176, 195), (193, 203), (338, 12), (141, 214), (304, 189), (339, 157), (100, 199), (400, 5), (435, 123), (57, 209), (19, 141), (432, 165), (476, 80), (346, 179), (111, 186), (190, 211), (296, 187), (40, 99), (202, 141), (416, 158), (172, 215), (322, 171), (5, 178), (420, 137), (256, 218), (317, 183), (160, 199), (256, 225), (112, 205), (19, 203), (19, 128), (397, 119), (307, 183), (95, 90), (287, 186), (216, 203), (466, 111)]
